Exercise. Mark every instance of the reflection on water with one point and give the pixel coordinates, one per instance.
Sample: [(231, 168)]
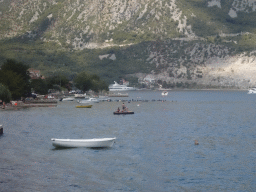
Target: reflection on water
[(154, 150)]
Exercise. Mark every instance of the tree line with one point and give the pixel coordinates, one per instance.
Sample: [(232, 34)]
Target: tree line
[(15, 82)]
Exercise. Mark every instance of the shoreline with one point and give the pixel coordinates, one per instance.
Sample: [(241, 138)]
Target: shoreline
[(193, 89)]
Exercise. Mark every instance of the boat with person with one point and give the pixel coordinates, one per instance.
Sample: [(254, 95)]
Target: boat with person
[(252, 91), (118, 87), (123, 112), (91, 143)]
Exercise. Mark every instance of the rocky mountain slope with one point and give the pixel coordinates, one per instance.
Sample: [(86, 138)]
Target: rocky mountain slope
[(209, 43)]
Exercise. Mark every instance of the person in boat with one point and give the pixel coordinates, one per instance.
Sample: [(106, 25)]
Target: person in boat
[(123, 107)]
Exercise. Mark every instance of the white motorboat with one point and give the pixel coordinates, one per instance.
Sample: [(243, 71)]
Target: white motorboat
[(97, 142), (252, 91), (103, 98), (164, 93), (118, 87), (80, 96), (68, 99), (90, 100)]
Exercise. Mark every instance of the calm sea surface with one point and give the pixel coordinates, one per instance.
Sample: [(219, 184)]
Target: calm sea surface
[(154, 150)]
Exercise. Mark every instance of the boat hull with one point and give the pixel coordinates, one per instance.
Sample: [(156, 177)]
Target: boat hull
[(252, 91), (84, 106), (123, 89), (118, 87), (91, 143), (68, 99), (165, 93), (123, 113), (89, 101)]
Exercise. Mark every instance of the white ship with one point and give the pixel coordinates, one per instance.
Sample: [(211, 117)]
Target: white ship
[(118, 87)]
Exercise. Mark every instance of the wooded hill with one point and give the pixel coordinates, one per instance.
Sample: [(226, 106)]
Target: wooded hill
[(114, 39)]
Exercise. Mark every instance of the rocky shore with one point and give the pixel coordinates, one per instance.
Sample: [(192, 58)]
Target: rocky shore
[(29, 103)]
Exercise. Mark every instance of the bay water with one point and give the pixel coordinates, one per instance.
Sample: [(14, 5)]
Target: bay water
[(154, 149)]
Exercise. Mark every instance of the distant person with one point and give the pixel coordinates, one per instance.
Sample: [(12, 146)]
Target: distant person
[(3, 105), (123, 107)]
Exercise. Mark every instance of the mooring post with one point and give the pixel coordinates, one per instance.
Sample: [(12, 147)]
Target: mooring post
[(1, 129)]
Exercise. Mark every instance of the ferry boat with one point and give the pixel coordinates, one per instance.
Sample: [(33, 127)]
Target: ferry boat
[(118, 87)]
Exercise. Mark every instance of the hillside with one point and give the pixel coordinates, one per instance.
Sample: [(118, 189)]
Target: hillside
[(205, 43)]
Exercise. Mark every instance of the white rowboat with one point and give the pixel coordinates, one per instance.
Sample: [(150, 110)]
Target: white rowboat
[(99, 142)]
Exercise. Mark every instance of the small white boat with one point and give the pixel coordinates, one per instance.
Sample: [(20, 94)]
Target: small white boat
[(97, 142), (90, 100), (164, 93), (68, 99), (103, 98), (252, 91), (80, 96)]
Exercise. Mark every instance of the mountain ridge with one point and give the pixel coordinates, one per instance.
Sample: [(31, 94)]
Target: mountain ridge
[(173, 36)]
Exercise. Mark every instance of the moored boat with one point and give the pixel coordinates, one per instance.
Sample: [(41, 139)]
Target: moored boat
[(90, 100), (68, 99), (252, 91), (80, 96), (164, 93), (118, 87), (84, 106), (92, 143)]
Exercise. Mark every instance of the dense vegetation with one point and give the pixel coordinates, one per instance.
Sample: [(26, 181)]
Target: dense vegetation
[(15, 82), (15, 76), (56, 61), (5, 94)]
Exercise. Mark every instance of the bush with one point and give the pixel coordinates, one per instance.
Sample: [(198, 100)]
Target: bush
[(5, 94)]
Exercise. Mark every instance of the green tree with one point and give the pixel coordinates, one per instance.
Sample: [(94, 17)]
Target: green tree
[(13, 82), (21, 70), (99, 85), (60, 80), (5, 94), (39, 86), (83, 81)]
